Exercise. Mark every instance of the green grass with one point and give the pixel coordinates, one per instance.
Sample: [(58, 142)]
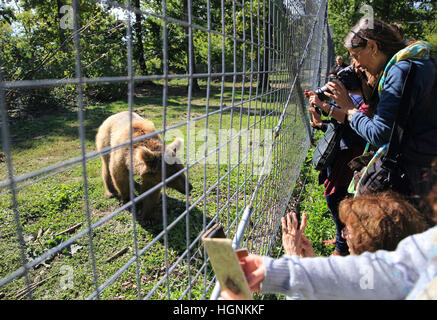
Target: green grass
[(320, 225), (49, 207)]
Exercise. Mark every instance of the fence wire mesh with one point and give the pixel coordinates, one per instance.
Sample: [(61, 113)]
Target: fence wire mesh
[(228, 80)]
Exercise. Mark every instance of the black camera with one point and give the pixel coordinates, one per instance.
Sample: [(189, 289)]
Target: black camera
[(347, 76)]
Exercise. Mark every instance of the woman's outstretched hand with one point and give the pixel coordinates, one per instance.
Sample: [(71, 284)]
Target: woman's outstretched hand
[(293, 240)]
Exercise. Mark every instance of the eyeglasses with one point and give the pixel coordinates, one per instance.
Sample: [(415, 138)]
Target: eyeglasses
[(345, 233)]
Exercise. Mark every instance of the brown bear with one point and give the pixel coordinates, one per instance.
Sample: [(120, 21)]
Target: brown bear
[(147, 158)]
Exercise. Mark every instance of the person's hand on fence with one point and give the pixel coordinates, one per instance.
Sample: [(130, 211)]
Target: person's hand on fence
[(292, 240), (340, 95)]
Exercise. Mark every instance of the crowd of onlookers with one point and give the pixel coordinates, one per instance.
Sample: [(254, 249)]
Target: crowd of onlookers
[(386, 239)]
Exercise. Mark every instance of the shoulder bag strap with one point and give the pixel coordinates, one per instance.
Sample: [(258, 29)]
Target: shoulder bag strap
[(402, 117)]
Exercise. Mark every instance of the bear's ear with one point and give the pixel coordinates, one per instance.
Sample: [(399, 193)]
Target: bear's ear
[(145, 155), (170, 151), (176, 145)]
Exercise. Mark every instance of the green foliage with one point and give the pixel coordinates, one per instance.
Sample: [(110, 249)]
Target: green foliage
[(320, 225), (417, 18), (38, 46), (432, 39), (35, 44)]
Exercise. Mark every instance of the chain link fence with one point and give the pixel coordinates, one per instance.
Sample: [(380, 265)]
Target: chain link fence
[(237, 104)]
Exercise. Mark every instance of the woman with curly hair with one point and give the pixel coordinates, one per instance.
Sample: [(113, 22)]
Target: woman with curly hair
[(403, 271), (379, 221), (372, 222)]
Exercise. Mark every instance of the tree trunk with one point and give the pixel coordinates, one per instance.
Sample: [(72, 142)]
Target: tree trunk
[(190, 57), (263, 79), (139, 43)]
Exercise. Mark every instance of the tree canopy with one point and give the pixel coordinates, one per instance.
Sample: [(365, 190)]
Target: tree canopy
[(37, 42), (37, 39)]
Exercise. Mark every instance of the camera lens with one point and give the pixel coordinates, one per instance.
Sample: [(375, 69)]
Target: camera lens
[(349, 78), (321, 93)]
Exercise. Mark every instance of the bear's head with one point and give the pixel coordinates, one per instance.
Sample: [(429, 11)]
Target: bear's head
[(151, 173)]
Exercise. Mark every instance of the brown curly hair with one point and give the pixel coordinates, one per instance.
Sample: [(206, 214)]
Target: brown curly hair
[(380, 221)]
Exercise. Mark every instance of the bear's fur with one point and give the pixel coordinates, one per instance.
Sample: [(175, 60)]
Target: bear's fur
[(147, 157)]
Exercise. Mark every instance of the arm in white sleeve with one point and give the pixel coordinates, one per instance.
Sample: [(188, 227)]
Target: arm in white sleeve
[(379, 275)]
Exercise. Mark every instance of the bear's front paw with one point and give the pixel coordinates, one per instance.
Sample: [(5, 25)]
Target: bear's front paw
[(110, 195)]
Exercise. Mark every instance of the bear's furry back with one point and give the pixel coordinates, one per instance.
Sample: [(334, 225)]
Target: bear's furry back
[(115, 130)]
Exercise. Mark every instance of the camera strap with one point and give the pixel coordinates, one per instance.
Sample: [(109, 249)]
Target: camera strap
[(374, 97), (403, 115)]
